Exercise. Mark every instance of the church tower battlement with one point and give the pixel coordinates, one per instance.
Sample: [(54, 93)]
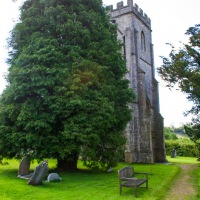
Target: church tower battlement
[(145, 140), (130, 7)]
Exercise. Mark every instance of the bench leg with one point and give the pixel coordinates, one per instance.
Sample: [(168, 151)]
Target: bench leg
[(120, 190), (135, 191)]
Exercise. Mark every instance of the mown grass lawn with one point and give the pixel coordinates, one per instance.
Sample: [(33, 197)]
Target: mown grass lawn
[(85, 184), (183, 160)]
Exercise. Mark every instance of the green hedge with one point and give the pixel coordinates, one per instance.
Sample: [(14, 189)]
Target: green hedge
[(183, 147)]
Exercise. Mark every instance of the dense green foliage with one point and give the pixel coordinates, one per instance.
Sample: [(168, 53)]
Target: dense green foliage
[(67, 95), (169, 133), (193, 131), (184, 147), (86, 184)]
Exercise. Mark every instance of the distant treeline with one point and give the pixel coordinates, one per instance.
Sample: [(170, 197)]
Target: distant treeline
[(175, 138)]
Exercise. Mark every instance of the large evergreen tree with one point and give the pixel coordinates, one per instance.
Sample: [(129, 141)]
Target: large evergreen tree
[(66, 95)]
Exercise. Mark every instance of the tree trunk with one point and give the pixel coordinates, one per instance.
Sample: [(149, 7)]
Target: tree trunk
[(69, 163)]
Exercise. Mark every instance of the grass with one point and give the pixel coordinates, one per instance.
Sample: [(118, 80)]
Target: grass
[(196, 181), (85, 184), (195, 174), (182, 160)]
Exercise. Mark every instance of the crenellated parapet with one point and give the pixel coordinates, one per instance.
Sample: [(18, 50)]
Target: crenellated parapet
[(130, 7)]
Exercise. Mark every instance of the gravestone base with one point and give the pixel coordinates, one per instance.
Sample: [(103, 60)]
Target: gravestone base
[(128, 157)]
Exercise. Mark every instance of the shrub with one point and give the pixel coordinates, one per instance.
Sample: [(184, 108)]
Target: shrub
[(183, 147)]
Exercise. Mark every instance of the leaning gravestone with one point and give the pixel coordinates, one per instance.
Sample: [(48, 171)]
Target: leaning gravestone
[(39, 173), (24, 166)]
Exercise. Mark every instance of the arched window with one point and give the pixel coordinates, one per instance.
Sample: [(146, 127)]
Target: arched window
[(143, 45), (124, 46)]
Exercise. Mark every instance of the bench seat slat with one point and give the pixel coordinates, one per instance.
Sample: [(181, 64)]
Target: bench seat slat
[(132, 183)]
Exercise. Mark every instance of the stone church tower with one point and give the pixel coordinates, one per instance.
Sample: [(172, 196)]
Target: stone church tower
[(145, 141)]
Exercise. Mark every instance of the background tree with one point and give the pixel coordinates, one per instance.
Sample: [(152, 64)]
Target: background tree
[(183, 68), (169, 133), (66, 95)]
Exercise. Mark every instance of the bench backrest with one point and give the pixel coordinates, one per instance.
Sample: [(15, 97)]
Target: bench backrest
[(126, 172)]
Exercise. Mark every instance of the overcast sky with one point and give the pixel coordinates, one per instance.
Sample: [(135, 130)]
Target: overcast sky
[(169, 19)]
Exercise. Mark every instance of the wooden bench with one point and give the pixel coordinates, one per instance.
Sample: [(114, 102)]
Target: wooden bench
[(127, 178)]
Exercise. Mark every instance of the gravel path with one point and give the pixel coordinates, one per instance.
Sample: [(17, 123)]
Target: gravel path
[(183, 188)]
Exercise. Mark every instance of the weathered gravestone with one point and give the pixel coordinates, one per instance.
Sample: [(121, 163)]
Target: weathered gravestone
[(39, 173), (173, 154), (24, 166)]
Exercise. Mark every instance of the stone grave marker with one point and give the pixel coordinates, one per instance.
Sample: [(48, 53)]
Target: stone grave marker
[(24, 166), (53, 177), (39, 173), (173, 154)]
